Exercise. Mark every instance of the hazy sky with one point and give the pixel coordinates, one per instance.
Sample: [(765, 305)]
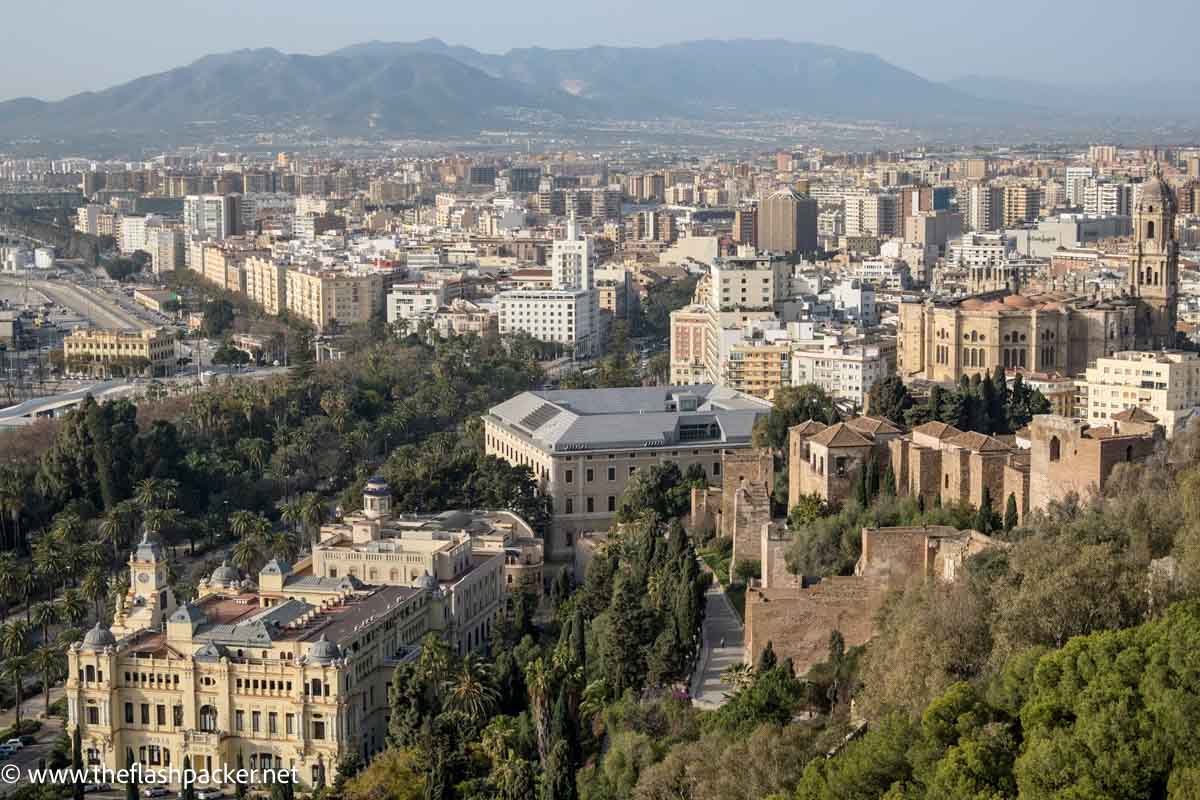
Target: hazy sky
[(53, 49)]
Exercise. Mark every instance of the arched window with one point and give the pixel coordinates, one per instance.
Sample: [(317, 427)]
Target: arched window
[(1055, 449), (89, 673), (208, 718), (1150, 229)]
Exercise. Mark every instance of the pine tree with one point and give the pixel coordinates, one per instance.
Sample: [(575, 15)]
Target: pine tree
[(1010, 513)]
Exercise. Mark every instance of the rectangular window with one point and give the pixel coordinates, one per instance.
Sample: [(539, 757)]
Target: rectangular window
[(590, 505), (612, 503), (289, 722), (716, 468), (318, 730), (272, 723), (591, 475), (612, 473), (160, 713), (569, 476), (129, 713), (177, 715), (145, 713), (239, 720), (93, 715), (255, 721), (632, 470), (570, 506)]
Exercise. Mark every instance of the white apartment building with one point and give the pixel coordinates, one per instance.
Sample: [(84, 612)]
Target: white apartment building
[(1165, 384), (855, 299), (882, 272), (873, 214), (1076, 183), (844, 372), (571, 318), (572, 261), (412, 301), (980, 250), (1108, 199), (137, 232), (748, 282), (211, 215)]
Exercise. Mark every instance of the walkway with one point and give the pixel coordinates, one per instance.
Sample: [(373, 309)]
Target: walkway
[(720, 622)]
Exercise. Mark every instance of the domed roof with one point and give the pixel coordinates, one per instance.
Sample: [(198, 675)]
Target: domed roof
[(1018, 301), (324, 652), (210, 652), (376, 485), (1155, 194), (98, 638), (276, 567), (188, 613), (224, 575), (147, 549)]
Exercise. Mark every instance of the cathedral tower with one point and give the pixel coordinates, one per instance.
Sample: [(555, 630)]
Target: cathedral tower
[(1154, 271)]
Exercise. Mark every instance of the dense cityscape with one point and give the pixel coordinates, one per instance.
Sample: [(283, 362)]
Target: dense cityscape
[(563, 450)]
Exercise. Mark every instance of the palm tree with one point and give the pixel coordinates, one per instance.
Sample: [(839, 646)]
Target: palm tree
[(14, 669), (72, 607), (241, 523), (471, 691), (313, 514), (44, 615), (116, 527), (68, 527), (245, 555), (147, 493), (738, 676), (48, 662), (285, 545), (26, 583), (292, 512), (8, 578)]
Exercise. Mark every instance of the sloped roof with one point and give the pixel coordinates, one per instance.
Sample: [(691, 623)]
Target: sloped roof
[(979, 442), (938, 430), (872, 425), (840, 435), (1135, 415), (808, 427)]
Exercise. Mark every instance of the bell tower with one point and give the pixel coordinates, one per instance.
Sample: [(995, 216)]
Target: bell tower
[(1154, 269), (150, 598)]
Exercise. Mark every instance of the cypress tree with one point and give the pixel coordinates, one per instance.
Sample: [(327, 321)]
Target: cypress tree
[(579, 640), (767, 658), (1010, 513), (889, 481), (985, 518), (77, 763), (189, 786)]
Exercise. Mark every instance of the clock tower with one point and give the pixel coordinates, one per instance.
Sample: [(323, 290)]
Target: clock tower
[(149, 600)]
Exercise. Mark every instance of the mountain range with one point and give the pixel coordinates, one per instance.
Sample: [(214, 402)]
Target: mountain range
[(430, 88)]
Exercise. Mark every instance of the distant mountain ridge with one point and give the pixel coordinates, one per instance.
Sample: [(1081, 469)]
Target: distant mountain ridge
[(429, 87)]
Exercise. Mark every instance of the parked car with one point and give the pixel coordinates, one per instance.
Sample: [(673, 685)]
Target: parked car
[(155, 791), (15, 744), (89, 788), (209, 794)]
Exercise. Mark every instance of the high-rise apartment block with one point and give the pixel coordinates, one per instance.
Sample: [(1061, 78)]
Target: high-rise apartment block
[(787, 223)]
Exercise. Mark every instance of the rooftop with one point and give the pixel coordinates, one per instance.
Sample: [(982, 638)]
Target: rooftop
[(585, 419)]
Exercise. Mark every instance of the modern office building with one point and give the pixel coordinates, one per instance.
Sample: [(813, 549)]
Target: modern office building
[(787, 223)]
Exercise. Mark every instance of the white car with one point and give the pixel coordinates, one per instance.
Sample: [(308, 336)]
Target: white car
[(155, 791), (14, 744)]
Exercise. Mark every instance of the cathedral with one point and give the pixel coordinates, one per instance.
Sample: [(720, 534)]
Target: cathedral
[(942, 339)]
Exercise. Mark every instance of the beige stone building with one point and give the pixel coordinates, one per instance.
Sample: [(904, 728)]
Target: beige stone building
[(290, 672), (323, 297), (689, 332), (291, 676), (266, 283), (1165, 384), (89, 350), (583, 446)]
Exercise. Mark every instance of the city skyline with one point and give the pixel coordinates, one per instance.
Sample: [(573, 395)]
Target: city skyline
[(1023, 44)]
